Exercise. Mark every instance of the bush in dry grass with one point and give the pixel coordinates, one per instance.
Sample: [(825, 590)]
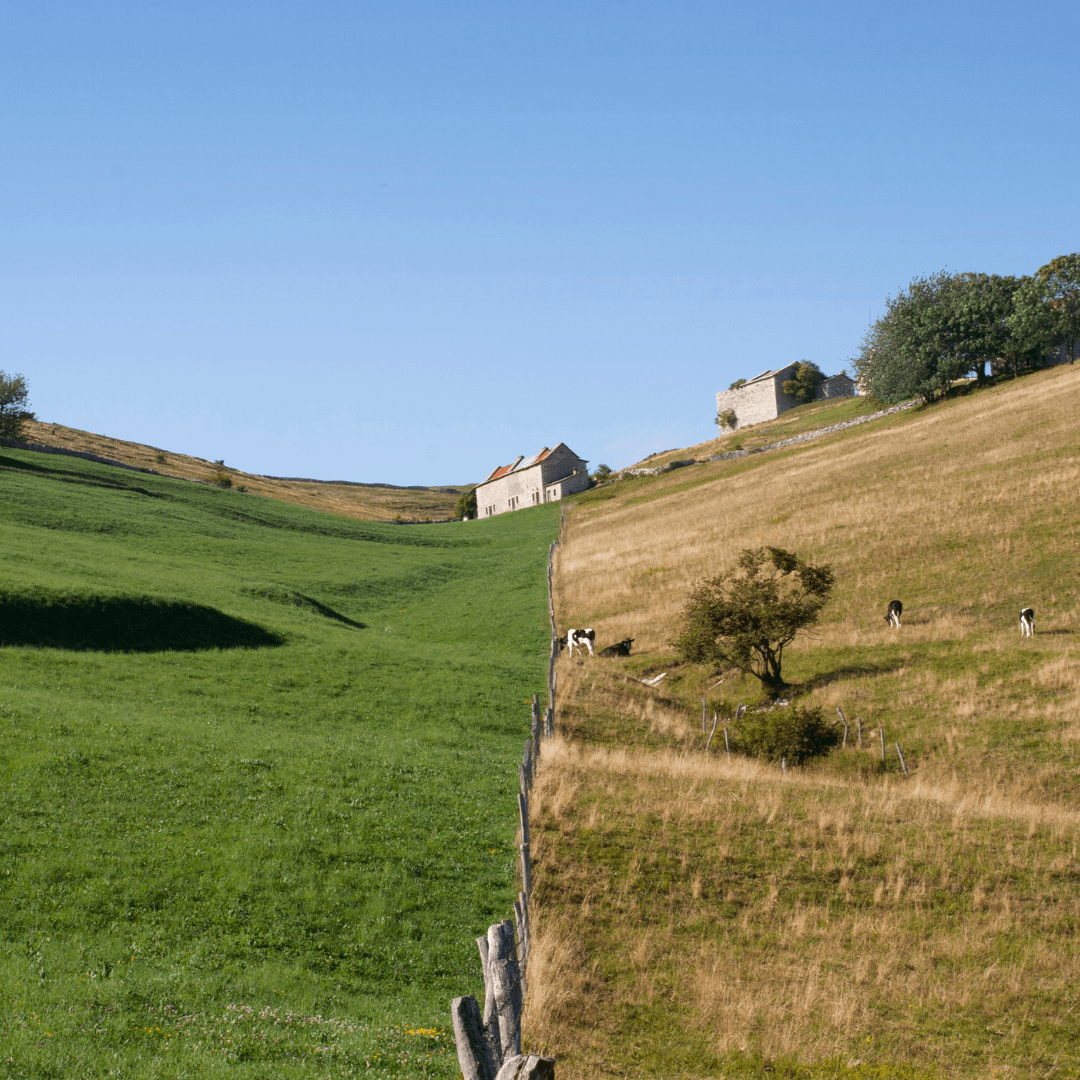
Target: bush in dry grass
[(797, 734), (745, 617)]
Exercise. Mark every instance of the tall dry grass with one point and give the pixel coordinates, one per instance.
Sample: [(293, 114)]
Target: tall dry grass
[(835, 910)]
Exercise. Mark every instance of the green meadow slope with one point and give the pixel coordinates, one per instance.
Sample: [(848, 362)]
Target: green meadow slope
[(259, 774)]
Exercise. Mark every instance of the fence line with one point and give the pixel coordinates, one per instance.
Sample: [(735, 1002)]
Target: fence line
[(489, 1043)]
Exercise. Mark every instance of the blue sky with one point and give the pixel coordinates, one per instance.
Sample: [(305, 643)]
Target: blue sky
[(406, 241)]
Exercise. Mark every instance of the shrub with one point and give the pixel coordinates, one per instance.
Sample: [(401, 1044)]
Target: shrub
[(737, 383), (222, 479), (727, 419), (797, 734), (13, 394), (466, 505)]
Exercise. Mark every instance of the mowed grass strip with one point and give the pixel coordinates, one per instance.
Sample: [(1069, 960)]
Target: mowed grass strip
[(259, 787), (720, 909)]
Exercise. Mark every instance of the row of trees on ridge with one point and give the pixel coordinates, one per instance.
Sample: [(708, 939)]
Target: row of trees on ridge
[(947, 326)]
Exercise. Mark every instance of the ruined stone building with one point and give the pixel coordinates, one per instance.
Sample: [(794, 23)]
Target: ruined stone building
[(762, 397)]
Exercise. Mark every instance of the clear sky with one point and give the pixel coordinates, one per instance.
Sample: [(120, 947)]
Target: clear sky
[(407, 241)]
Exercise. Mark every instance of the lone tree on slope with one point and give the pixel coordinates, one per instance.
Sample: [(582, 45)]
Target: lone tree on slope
[(744, 617), (13, 399)]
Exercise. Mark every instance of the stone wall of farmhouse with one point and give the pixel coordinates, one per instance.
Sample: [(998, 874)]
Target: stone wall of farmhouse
[(545, 482), (573, 484), (525, 486), (757, 401)]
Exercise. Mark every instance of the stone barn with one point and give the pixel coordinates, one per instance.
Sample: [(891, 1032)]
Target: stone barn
[(544, 477), (762, 397)]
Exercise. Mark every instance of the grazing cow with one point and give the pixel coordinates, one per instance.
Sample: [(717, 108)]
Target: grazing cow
[(583, 639), (896, 609), (620, 648), (1027, 622)]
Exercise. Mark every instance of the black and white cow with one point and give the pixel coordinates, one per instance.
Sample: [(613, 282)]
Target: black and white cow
[(583, 639), (620, 648), (1027, 622), (896, 609)]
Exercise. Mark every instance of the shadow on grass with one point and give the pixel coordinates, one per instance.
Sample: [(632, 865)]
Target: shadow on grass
[(124, 624), (292, 598), (67, 476), (847, 671)]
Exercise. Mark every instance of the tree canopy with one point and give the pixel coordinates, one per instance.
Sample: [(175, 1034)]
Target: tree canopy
[(945, 326), (746, 616), (803, 387), (13, 399)]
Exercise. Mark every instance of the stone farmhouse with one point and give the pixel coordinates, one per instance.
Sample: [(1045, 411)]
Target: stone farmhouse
[(762, 397), (544, 477)]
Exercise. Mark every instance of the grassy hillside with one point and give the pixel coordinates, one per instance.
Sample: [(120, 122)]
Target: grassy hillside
[(704, 916), (259, 774), (371, 502)]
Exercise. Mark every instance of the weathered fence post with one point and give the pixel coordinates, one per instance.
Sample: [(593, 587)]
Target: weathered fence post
[(527, 761), (523, 815), (506, 985), (711, 733), (474, 1054), (900, 755), (858, 728), (881, 732), (702, 716), (844, 719), (727, 745)]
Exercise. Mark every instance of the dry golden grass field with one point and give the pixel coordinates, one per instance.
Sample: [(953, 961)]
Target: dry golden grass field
[(697, 915), (369, 502)]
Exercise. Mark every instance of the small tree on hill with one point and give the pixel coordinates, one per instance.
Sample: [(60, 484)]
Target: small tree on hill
[(805, 383), (745, 617), (13, 399), (466, 505)]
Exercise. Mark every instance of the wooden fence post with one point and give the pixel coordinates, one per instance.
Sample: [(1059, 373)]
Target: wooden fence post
[(711, 733), (727, 745), (474, 1054), (844, 719), (506, 985), (858, 728), (523, 815), (900, 755), (881, 732), (702, 716), (526, 871)]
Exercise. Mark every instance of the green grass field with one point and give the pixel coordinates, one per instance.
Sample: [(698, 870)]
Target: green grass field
[(259, 772)]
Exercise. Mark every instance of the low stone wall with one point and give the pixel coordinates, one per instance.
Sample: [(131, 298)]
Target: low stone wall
[(41, 448), (806, 436)]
